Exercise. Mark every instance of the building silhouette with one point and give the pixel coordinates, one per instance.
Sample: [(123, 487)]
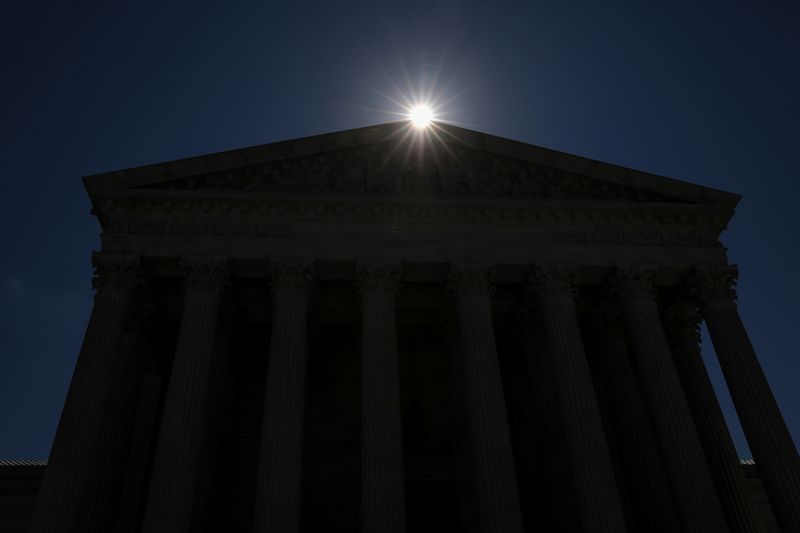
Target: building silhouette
[(389, 329)]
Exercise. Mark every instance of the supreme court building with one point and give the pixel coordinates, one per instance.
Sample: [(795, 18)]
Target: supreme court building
[(388, 330)]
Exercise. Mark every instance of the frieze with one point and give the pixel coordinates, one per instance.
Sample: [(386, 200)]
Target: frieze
[(402, 231), (308, 208), (443, 169)]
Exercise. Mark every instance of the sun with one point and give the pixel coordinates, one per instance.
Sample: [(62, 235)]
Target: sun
[(421, 116)]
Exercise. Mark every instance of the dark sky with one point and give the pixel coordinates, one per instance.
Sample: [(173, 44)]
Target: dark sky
[(704, 94)]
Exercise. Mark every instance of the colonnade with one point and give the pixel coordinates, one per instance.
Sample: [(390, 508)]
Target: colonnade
[(678, 452)]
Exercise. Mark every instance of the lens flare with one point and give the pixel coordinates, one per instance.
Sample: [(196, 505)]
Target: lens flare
[(421, 116)]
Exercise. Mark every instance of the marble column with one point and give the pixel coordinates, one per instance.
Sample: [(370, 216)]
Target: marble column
[(595, 484), (769, 439), (682, 325), (109, 466), (495, 485), (647, 485), (137, 468), (554, 472), (67, 479), (277, 505), (172, 499), (382, 485), (684, 460), (448, 328)]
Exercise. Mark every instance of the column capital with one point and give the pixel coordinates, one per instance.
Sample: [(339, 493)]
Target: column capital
[(469, 277), (681, 320), (554, 280), (292, 273), (632, 282), (204, 273), (712, 284), (378, 276), (116, 271)]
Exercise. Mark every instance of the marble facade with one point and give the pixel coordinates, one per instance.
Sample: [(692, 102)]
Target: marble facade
[(390, 330)]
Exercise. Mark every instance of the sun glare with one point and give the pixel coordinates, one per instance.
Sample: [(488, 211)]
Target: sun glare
[(421, 116)]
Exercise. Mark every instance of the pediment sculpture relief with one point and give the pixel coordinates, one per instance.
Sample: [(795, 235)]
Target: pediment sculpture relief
[(386, 168)]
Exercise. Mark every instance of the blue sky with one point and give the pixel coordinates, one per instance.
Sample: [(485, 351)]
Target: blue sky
[(705, 94)]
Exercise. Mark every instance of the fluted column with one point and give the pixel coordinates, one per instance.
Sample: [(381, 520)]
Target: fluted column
[(769, 439), (382, 485), (682, 325), (684, 459), (135, 482), (595, 484), (61, 497), (156, 348), (277, 506), (495, 485), (554, 472), (647, 482), (109, 465), (448, 328), (172, 502)]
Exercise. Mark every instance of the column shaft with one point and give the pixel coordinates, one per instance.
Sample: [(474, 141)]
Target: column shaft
[(61, 499), (682, 322), (495, 485), (464, 478), (648, 487), (595, 484), (554, 479), (769, 439), (684, 459), (277, 506), (382, 485), (137, 467), (108, 468), (172, 500)]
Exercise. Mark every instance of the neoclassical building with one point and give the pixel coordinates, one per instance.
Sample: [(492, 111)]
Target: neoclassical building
[(388, 329)]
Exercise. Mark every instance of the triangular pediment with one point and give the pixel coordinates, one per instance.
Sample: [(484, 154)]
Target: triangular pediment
[(393, 160), (408, 168)]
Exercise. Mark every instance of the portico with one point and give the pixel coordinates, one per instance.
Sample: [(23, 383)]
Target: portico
[(303, 380)]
